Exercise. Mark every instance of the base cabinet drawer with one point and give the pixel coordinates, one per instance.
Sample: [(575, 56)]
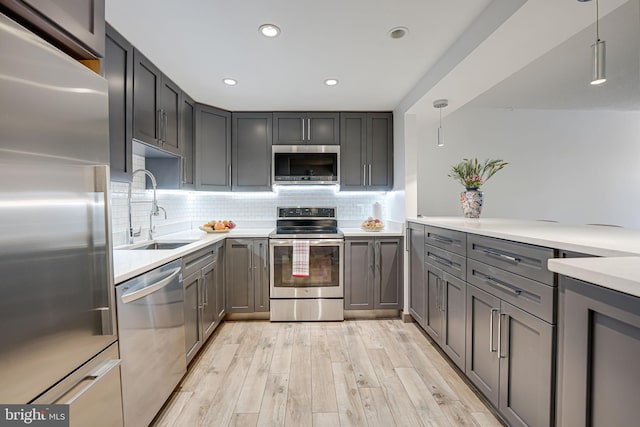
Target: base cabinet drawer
[(450, 240), (519, 258), (531, 296)]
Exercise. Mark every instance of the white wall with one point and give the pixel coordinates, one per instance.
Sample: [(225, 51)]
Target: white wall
[(569, 166), (188, 209)]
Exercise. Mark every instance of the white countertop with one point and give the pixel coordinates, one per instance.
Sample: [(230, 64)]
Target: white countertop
[(131, 263), (618, 247), (391, 229), (620, 274), (589, 239)]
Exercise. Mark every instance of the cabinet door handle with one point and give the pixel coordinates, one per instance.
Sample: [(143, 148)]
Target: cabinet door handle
[(250, 270), (165, 123), (373, 259), (159, 127), (500, 354), (364, 174), (379, 259), (370, 174), (501, 255), (229, 174), (303, 130), (407, 244), (438, 293), (309, 130), (264, 256), (493, 310), (184, 169), (444, 294)]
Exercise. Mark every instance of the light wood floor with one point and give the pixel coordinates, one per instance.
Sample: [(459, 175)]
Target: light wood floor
[(356, 373)]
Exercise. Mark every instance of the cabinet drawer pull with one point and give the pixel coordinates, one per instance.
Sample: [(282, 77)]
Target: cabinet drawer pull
[(496, 282), (438, 238), (440, 259), (493, 310), (501, 255)]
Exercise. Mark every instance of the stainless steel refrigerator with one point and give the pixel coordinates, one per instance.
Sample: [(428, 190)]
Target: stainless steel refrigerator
[(58, 337)]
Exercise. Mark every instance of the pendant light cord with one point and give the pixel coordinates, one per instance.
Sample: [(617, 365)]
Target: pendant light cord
[(597, 22)]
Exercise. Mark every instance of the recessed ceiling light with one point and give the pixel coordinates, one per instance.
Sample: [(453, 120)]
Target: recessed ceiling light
[(230, 82), (331, 82), (398, 32), (270, 30)]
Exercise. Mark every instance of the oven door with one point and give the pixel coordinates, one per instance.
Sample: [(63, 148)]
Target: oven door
[(326, 261)]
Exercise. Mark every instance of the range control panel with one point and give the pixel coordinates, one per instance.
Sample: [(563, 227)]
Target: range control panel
[(306, 212)]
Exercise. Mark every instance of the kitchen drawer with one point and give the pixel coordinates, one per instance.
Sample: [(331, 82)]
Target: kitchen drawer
[(197, 260), (519, 258), (452, 263), (450, 240), (531, 296)]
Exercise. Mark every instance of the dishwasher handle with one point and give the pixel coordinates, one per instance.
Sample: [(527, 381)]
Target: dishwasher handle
[(137, 293)]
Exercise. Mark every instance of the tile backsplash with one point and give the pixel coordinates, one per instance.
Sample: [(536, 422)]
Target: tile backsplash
[(188, 209)]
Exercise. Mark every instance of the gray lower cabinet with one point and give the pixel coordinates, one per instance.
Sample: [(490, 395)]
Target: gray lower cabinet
[(118, 70), (373, 273), (600, 374), (417, 287), (247, 275), (366, 151), (192, 314), (445, 319), (510, 358), (213, 149), (202, 282), (251, 148)]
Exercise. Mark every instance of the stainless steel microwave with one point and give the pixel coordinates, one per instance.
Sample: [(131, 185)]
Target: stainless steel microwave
[(306, 164)]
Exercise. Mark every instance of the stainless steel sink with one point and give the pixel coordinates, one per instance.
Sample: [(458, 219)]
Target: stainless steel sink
[(158, 245)]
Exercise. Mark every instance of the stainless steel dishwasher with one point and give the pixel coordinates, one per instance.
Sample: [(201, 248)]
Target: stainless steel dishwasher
[(151, 327)]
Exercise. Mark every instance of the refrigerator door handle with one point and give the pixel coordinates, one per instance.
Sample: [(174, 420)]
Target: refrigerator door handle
[(95, 377)]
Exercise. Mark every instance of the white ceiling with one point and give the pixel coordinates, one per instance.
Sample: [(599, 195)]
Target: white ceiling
[(197, 43), (560, 78)]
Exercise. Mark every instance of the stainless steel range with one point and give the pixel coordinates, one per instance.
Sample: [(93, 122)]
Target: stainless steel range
[(318, 293)]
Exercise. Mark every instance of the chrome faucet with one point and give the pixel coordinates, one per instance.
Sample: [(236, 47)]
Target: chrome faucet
[(155, 209)]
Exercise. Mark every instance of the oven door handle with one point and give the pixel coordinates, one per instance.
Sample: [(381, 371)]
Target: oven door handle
[(313, 242)]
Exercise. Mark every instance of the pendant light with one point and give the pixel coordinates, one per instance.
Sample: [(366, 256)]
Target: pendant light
[(598, 52), (440, 104)]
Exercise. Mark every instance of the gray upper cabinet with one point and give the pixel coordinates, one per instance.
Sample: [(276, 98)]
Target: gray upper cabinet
[(213, 149), (296, 128), (417, 288), (188, 138), (366, 151), (118, 70), (600, 373), (247, 275), (156, 106), (373, 273), (251, 148), (76, 27)]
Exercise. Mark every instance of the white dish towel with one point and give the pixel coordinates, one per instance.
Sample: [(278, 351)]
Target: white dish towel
[(300, 258)]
